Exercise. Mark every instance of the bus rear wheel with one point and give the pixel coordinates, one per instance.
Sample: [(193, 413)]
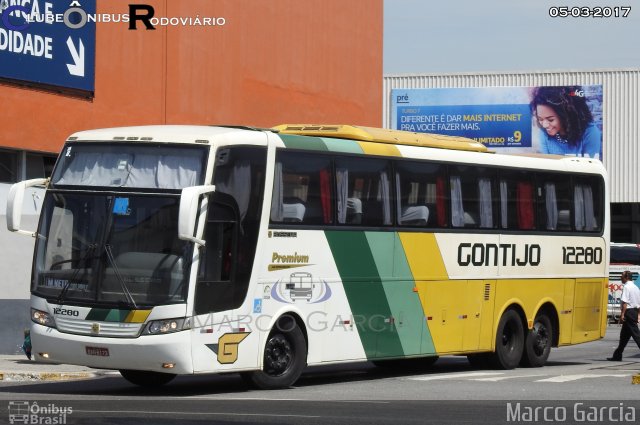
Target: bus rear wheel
[(145, 378), (537, 346), (509, 341), (285, 356)]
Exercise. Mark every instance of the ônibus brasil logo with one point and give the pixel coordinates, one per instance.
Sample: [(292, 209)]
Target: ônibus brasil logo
[(300, 286)]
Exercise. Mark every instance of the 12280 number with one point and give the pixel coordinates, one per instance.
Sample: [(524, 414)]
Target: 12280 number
[(581, 255)]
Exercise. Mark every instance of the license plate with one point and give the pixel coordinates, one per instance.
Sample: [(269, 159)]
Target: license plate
[(97, 351)]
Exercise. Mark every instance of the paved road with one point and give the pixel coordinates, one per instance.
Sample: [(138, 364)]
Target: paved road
[(449, 392)]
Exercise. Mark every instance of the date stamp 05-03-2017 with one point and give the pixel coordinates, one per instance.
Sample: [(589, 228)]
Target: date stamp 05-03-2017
[(589, 11)]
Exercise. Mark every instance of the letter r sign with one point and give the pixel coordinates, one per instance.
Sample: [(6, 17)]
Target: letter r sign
[(145, 17)]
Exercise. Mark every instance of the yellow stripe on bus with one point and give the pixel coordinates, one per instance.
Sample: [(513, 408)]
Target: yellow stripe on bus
[(137, 316), (370, 148), (423, 256)]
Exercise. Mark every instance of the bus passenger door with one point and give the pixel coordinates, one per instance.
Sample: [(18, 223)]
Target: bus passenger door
[(587, 310), (442, 307), (477, 315)]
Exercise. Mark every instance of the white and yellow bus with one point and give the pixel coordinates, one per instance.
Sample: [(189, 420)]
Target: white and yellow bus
[(167, 250)]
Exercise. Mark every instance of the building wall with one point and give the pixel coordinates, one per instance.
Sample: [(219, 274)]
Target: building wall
[(273, 62), (621, 112), (16, 252)]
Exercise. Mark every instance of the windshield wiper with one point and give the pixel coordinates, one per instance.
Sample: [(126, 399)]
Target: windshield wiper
[(82, 260), (123, 285)]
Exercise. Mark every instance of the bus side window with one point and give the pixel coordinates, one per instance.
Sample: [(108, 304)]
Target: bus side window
[(555, 202), (302, 189), (363, 191), (517, 201), (587, 204), (472, 197), (421, 198)]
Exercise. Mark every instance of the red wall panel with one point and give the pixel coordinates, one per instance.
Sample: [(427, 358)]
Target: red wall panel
[(272, 62)]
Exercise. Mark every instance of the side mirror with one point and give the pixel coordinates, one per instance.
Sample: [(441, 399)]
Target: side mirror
[(189, 201), (14, 204)]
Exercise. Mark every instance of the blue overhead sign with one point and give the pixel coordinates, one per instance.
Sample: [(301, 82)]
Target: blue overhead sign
[(49, 42)]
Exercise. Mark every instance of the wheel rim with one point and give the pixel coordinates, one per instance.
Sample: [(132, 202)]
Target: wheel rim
[(540, 339), (278, 355)]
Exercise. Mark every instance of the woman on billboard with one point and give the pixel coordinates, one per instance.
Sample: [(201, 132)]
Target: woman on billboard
[(566, 122)]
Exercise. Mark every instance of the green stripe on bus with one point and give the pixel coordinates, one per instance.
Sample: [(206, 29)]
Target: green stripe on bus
[(410, 300), (365, 293), (398, 284), (98, 314), (303, 142), (107, 315), (116, 315), (342, 145)]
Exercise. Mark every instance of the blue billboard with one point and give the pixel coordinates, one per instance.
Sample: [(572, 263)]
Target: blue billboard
[(563, 120), (493, 125), (48, 42)]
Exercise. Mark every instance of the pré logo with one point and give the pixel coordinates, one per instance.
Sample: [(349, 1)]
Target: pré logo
[(402, 98)]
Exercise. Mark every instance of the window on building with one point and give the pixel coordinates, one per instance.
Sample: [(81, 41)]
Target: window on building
[(39, 165), (8, 166)]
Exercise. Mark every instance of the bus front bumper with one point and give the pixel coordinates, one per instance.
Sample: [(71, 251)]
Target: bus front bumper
[(169, 353)]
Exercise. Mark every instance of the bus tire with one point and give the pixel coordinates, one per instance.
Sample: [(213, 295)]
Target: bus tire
[(509, 341), (285, 357), (145, 378), (538, 343)]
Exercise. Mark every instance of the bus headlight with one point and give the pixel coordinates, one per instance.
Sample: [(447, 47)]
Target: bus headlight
[(42, 318), (159, 327)]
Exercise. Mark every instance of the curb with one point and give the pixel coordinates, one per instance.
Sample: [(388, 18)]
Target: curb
[(45, 376)]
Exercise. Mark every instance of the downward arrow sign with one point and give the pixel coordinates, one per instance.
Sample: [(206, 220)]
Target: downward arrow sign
[(77, 68)]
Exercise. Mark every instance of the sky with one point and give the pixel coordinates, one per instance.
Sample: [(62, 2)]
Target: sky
[(451, 36)]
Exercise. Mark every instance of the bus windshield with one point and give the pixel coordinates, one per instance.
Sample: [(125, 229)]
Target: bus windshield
[(111, 249), (139, 166)]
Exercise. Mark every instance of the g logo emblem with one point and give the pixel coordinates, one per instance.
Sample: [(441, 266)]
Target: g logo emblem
[(228, 347)]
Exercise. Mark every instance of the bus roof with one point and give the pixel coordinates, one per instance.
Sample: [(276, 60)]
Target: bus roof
[(155, 133), (383, 135), (413, 142)]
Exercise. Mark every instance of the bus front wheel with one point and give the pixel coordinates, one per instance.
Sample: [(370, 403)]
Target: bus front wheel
[(285, 356), (145, 378), (509, 341), (537, 346)]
